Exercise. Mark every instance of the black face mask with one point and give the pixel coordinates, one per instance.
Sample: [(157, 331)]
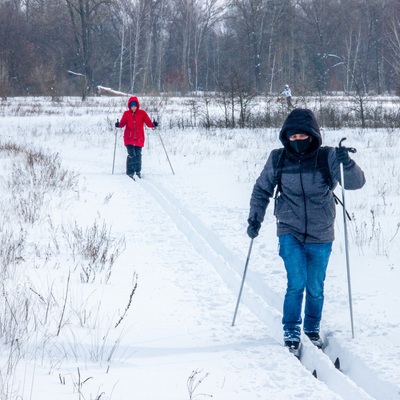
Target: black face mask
[(300, 146)]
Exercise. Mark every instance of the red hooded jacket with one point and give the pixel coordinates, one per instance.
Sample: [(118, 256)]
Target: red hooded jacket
[(134, 124)]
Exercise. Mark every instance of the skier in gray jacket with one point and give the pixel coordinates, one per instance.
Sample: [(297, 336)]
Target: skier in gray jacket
[(305, 211)]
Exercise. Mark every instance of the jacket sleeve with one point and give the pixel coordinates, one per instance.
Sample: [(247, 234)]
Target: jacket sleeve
[(123, 120), (263, 190), (147, 120), (354, 177)]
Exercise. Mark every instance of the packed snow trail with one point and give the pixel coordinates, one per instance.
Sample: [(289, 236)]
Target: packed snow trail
[(255, 294), (361, 373)]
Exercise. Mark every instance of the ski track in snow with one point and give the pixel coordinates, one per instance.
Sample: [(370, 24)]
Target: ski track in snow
[(257, 297)]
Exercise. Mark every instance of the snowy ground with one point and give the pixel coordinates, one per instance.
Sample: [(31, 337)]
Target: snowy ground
[(186, 240)]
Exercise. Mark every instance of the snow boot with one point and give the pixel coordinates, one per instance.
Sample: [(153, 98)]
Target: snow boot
[(294, 347), (315, 339)]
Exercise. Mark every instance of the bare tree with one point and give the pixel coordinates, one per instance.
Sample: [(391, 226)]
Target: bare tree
[(321, 32), (154, 45), (83, 14), (279, 21), (393, 40), (251, 17), (205, 16)]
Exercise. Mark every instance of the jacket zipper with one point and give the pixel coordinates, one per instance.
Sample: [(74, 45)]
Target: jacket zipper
[(304, 199), (134, 128)]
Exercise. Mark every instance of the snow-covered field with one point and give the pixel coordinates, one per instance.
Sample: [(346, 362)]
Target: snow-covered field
[(152, 319)]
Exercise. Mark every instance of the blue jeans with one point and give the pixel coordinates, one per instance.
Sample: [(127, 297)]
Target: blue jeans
[(305, 265)]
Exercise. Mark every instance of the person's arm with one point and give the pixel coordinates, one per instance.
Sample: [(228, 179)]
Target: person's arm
[(354, 177), (146, 119), (263, 190), (123, 121)]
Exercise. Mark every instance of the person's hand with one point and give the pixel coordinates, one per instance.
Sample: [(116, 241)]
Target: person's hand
[(155, 123), (117, 124), (342, 155), (253, 228)]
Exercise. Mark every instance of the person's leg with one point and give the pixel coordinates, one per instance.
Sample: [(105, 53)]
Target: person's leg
[(317, 262), (138, 160), (130, 170), (294, 257)]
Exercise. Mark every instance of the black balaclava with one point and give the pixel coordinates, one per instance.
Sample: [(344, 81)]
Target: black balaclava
[(301, 120), (301, 146)]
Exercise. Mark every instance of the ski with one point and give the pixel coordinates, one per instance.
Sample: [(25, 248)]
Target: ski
[(296, 351), (132, 176), (319, 344), (314, 374), (336, 363)]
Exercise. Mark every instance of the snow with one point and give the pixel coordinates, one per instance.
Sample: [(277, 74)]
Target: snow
[(186, 247)]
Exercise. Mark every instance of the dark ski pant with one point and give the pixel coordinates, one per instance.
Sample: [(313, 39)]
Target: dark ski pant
[(134, 159)]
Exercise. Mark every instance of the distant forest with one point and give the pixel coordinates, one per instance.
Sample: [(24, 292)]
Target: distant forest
[(69, 47)]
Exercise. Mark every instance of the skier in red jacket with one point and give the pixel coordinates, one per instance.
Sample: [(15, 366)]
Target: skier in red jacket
[(134, 120)]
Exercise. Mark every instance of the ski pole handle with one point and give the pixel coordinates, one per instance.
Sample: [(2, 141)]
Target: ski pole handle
[(349, 149)]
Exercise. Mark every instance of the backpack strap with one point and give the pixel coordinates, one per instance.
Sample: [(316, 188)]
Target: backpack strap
[(278, 161), (323, 166)]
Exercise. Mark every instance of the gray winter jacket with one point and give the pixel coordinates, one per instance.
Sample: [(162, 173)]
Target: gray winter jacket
[(305, 206)]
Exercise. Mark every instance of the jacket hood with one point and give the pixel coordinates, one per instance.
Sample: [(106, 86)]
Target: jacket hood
[(301, 121), (134, 98)]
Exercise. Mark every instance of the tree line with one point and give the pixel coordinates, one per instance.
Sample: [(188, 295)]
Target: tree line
[(69, 47)]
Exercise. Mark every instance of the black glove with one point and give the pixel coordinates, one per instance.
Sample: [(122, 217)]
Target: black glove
[(253, 228), (342, 155), (155, 123), (117, 124)]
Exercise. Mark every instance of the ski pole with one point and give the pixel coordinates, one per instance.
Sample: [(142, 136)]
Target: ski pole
[(352, 150), (115, 147), (159, 135), (243, 279)]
